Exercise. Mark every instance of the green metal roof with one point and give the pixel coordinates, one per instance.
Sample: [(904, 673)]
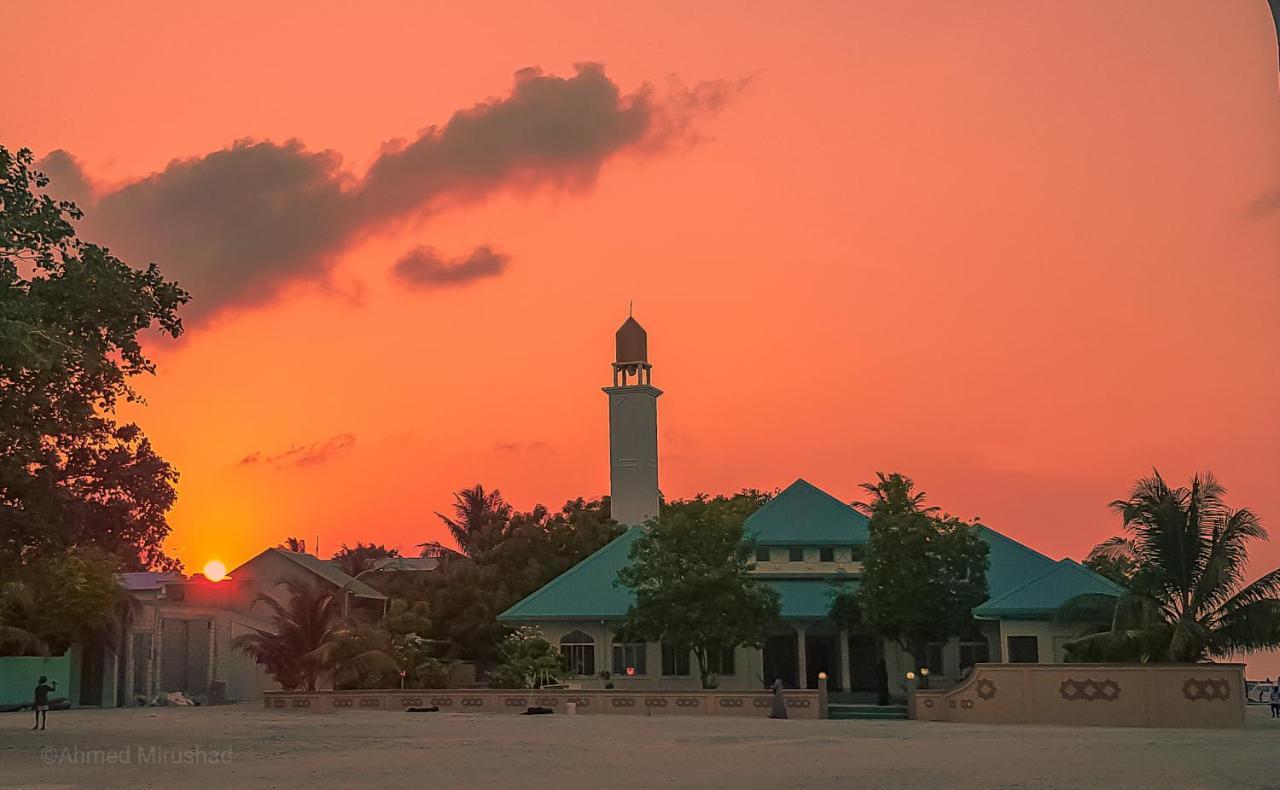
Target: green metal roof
[(585, 591), (806, 599), (1010, 564), (1046, 593), (802, 515), (805, 515)]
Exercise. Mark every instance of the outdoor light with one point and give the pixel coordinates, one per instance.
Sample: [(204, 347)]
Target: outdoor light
[(631, 670), (911, 676), (924, 672), (822, 676)]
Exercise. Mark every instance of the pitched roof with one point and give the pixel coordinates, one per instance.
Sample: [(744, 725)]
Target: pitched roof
[(806, 599), (137, 581), (1046, 593), (587, 592), (1011, 564), (584, 591), (805, 515), (322, 568)]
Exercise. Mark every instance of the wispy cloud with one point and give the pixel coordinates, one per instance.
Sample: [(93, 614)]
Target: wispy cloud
[(302, 455)]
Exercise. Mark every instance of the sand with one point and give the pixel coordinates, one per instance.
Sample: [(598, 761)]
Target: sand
[(245, 746)]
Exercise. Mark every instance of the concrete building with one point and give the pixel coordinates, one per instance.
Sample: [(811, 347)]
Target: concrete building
[(180, 635), (807, 542)]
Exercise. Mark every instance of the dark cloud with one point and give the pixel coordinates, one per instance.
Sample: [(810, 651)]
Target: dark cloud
[(303, 455), (66, 178), (237, 225), (1265, 204), (424, 267)]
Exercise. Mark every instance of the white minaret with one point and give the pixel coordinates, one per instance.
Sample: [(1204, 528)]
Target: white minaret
[(633, 429)]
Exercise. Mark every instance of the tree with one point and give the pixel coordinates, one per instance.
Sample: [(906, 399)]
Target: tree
[(71, 317), (691, 576), (311, 640), (520, 552), (528, 661), (70, 597), (1183, 556), (479, 523), (293, 544), (355, 560), (923, 573)]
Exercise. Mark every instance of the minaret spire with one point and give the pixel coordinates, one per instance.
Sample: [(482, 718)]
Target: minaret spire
[(633, 428)]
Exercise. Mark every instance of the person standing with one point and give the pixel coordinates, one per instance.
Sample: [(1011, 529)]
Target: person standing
[(41, 703), (779, 710), (1275, 699)]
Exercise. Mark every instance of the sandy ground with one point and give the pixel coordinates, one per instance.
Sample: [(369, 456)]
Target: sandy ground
[(243, 746)]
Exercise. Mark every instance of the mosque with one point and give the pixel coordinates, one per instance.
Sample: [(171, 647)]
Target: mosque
[(804, 538)]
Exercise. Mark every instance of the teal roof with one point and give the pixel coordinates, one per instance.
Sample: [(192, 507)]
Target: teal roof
[(1010, 564), (585, 591), (1046, 593), (805, 599), (805, 515)]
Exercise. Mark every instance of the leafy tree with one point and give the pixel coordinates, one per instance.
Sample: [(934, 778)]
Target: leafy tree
[(479, 523), (71, 315), (520, 552), (923, 573), (73, 596), (311, 640), (355, 560), (1184, 552), (528, 661), (691, 575), (293, 544)]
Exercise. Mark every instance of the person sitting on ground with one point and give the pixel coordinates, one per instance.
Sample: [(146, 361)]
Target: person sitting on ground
[(42, 700)]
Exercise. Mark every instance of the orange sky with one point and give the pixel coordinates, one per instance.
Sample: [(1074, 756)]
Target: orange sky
[(1021, 251)]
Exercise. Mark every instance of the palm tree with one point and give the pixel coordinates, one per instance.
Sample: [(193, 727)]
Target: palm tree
[(1184, 552), (293, 544), (479, 523), (310, 640)]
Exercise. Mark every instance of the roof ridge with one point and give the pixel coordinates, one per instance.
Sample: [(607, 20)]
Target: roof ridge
[(1014, 541), (1022, 586)]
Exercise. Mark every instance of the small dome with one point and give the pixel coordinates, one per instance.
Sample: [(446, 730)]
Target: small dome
[(632, 342)]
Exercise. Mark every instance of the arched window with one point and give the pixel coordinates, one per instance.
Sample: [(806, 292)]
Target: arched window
[(577, 653)]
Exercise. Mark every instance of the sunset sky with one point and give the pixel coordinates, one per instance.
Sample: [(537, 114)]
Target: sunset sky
[(1021, 251)]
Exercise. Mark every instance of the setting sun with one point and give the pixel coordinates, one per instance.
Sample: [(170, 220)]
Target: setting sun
[(215, 571)]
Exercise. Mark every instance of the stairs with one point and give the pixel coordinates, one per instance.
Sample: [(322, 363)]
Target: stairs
[(864, 712)]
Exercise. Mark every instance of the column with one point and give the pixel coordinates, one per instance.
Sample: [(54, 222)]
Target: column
[(846, 682), (802, 671)]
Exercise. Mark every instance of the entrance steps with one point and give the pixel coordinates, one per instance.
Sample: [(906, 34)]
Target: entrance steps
[(844, 710)]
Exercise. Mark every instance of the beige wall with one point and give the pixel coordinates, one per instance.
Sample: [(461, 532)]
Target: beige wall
[(800, 704), (1142, 695), (747, 662), (1050, 637), (779, 562)]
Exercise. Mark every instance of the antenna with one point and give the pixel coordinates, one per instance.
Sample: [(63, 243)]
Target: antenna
[(631, 303)]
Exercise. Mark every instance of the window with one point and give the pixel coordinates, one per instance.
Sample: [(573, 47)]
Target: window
[(796, 555), (826, 554), (933, 657), (577, 654), (976, 652), (720, 662), (628, 656), (1024, 650), (856, 553), (675, 661), (762, 554)]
